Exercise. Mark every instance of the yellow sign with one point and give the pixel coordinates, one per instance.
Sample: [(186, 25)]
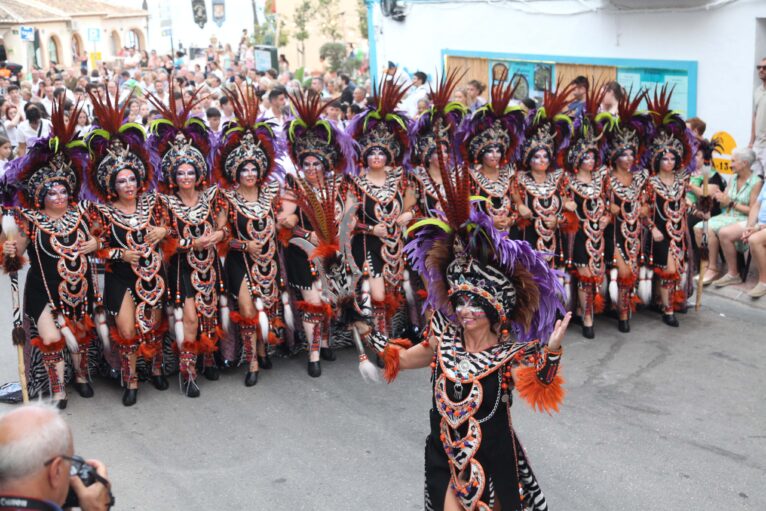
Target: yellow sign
[(95, 58), (722, 160)]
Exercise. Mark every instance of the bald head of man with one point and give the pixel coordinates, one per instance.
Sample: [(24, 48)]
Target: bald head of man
[(33, 440)]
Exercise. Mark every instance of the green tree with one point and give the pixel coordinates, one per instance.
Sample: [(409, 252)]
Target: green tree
[(284, 34), (330, 19), (361, 10), (335, 53), (301, 17)]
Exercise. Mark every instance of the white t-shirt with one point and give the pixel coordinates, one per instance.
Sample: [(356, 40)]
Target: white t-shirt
[(759, 109), (28, 135), (13, 133)]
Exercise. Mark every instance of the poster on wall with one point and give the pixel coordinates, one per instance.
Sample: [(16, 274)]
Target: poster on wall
[(636, 79), (530, 78)]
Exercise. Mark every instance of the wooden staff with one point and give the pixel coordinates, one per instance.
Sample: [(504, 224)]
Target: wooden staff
[(703, 205), (12, 266)]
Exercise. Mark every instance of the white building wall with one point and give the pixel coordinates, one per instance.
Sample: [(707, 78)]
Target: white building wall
[(725, 42)]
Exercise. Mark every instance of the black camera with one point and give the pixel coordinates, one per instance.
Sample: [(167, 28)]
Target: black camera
[(88, 475)]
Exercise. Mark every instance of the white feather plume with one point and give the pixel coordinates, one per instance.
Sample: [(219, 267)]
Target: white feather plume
[(69, 338), (178, 326), (103, 331)]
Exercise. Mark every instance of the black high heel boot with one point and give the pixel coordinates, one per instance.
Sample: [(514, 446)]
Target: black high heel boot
[(129, 397), (315, 369), (84, 389), (251, 378), (623, 326)]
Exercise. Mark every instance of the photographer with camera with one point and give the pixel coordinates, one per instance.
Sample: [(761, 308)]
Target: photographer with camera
[(38, 468)]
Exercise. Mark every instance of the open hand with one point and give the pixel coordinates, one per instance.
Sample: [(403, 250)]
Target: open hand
[(559, 331)]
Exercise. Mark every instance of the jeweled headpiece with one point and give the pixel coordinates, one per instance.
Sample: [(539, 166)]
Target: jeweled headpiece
[(670, 134), (116, 146), (381, 126), (548, 128), (247, 140), (58, 159), (494, 124), (310, 135), (179, 138), (438, 123), (628, 130), (588, 131)]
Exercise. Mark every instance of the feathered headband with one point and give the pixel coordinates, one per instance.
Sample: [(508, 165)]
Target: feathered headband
[(310, 135), (115, 146), (178, 138), (438, 124), (670, 134), (548, 127), (381, 126), (248, 139), (629, 129), (494, 124), (58, 159)]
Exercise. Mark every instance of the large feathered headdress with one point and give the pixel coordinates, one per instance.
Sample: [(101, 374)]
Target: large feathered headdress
[(249, 139), (630, 129), (463, 253), (670, 134), (494, 124), (438, 124), (382, 126), (310, 135), (116, 146), (588, 131), (548, 127), (178, 138), (60, 158)]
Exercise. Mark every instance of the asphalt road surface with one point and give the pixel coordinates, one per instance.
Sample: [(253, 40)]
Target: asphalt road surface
[(660, 418)]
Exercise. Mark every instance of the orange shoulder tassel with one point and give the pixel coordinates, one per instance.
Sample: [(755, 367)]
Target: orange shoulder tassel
[(541, 397)]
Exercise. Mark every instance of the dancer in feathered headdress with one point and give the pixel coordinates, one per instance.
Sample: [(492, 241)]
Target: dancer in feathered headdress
[(60, 295), (539, 188), (384, 201), (310, 215), (670, 159), (433, 143), (246, 168), (121, 175), (197, 225), (489, 142), (496, 303), (587, 175), (626, 135)]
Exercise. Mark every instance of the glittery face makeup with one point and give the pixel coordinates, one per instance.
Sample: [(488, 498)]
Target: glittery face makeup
[(469, 312), (491, 157), (588, 162), (186, 177), (540, 161), (125, 184), (248, 174), (668, 162), (376, 158), (57, 197), (626, 159), (312, 167)]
